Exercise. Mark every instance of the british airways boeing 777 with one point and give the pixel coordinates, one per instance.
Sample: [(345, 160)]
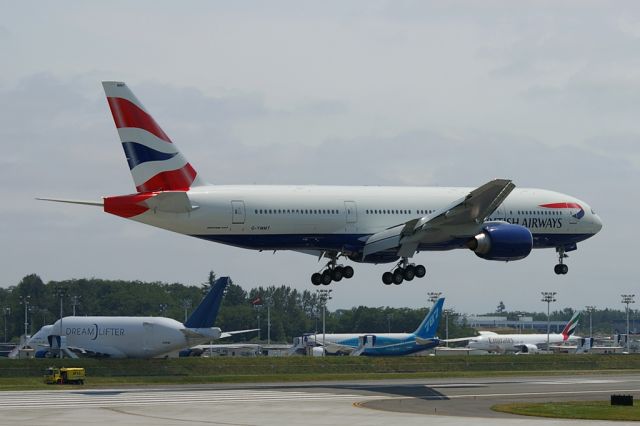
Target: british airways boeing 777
[(364, 224)]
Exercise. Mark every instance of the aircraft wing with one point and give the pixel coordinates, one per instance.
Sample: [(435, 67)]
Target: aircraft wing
[(459, 219), (233, 333)]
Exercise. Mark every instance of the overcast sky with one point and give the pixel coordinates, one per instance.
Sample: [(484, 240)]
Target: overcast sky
[(371, 92)]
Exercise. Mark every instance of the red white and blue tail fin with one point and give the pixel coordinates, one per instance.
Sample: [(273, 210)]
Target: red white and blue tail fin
[(571, 326), (154, 161)]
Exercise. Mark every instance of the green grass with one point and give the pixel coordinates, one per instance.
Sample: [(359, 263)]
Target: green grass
[(27, 374), (591, 410)]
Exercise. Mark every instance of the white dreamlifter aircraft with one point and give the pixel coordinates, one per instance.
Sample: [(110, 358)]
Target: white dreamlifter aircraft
[(134, 337), (364, 224)]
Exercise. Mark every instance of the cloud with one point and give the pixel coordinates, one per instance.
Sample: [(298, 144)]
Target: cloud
[(384, 93)]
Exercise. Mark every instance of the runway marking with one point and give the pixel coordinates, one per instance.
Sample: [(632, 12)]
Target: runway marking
[(16, 400), (490, 395), (173, 419)]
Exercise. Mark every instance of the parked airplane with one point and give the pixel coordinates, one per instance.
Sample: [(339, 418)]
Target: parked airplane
[(380, 344), (134, 337), (367, 224), (521, 343)]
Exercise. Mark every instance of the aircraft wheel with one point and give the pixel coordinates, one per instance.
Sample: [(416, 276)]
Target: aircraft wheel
[(564, 269), (326, 277), (316, 279), (557, 269), (398, 276), (421, 271), (336, 274), (347, 272), (387, 278), (409, 273)]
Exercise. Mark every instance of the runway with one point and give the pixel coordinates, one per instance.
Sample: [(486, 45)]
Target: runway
[(383, 402)]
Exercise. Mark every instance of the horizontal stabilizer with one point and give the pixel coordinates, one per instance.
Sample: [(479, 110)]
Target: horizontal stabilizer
[(203, 332), (459, 339), (85, 203), (421, 341), (171, 202), (233, 333)]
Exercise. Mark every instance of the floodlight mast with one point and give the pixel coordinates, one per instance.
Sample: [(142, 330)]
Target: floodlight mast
[(324, 296), (548, 297), (591, 309), (627, 299)]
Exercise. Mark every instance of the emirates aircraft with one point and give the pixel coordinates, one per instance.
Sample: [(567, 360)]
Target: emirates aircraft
[(522, 343), (365, 224)]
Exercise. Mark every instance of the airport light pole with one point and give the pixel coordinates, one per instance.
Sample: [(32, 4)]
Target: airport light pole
[(75, 301), (24, 300), (627, 299), (548, 297), (324, 295), (61, 291), (447, 312), (433, 296), (6, 311), (186, 304), (32, 310), (520, 325), (269, 320), (591, 309), (44, 313)]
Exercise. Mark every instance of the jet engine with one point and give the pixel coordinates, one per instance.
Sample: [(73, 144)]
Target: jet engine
[(502, 241), (529, 349)]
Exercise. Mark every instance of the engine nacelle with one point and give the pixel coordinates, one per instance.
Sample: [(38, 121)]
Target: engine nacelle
[(502, 241), (529, 349)]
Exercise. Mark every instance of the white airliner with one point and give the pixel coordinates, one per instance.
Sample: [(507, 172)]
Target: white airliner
[(134, 337), (366, 224), (520, 343)]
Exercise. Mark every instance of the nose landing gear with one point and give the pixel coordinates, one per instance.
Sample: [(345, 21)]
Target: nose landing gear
[(404, 271), (561, 268)]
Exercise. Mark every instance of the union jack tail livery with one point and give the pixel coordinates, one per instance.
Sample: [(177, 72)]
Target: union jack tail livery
[(154, 161), (571, 326)]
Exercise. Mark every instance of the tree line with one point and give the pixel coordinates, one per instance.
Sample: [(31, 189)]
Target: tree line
[(292, 312)]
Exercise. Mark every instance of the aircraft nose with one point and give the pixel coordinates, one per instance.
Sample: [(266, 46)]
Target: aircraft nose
[(597, 223)]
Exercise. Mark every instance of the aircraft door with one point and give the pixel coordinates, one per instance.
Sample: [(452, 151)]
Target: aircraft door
[(367, 341), (238, 213)]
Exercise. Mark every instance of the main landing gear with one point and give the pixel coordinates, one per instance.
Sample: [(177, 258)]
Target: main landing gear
[(403, 271), (561, 268), (332, 272)]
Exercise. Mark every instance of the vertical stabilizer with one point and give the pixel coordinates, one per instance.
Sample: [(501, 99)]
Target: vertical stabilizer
[(205, 314), (154, 160), (429, 325), (571, 326)]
